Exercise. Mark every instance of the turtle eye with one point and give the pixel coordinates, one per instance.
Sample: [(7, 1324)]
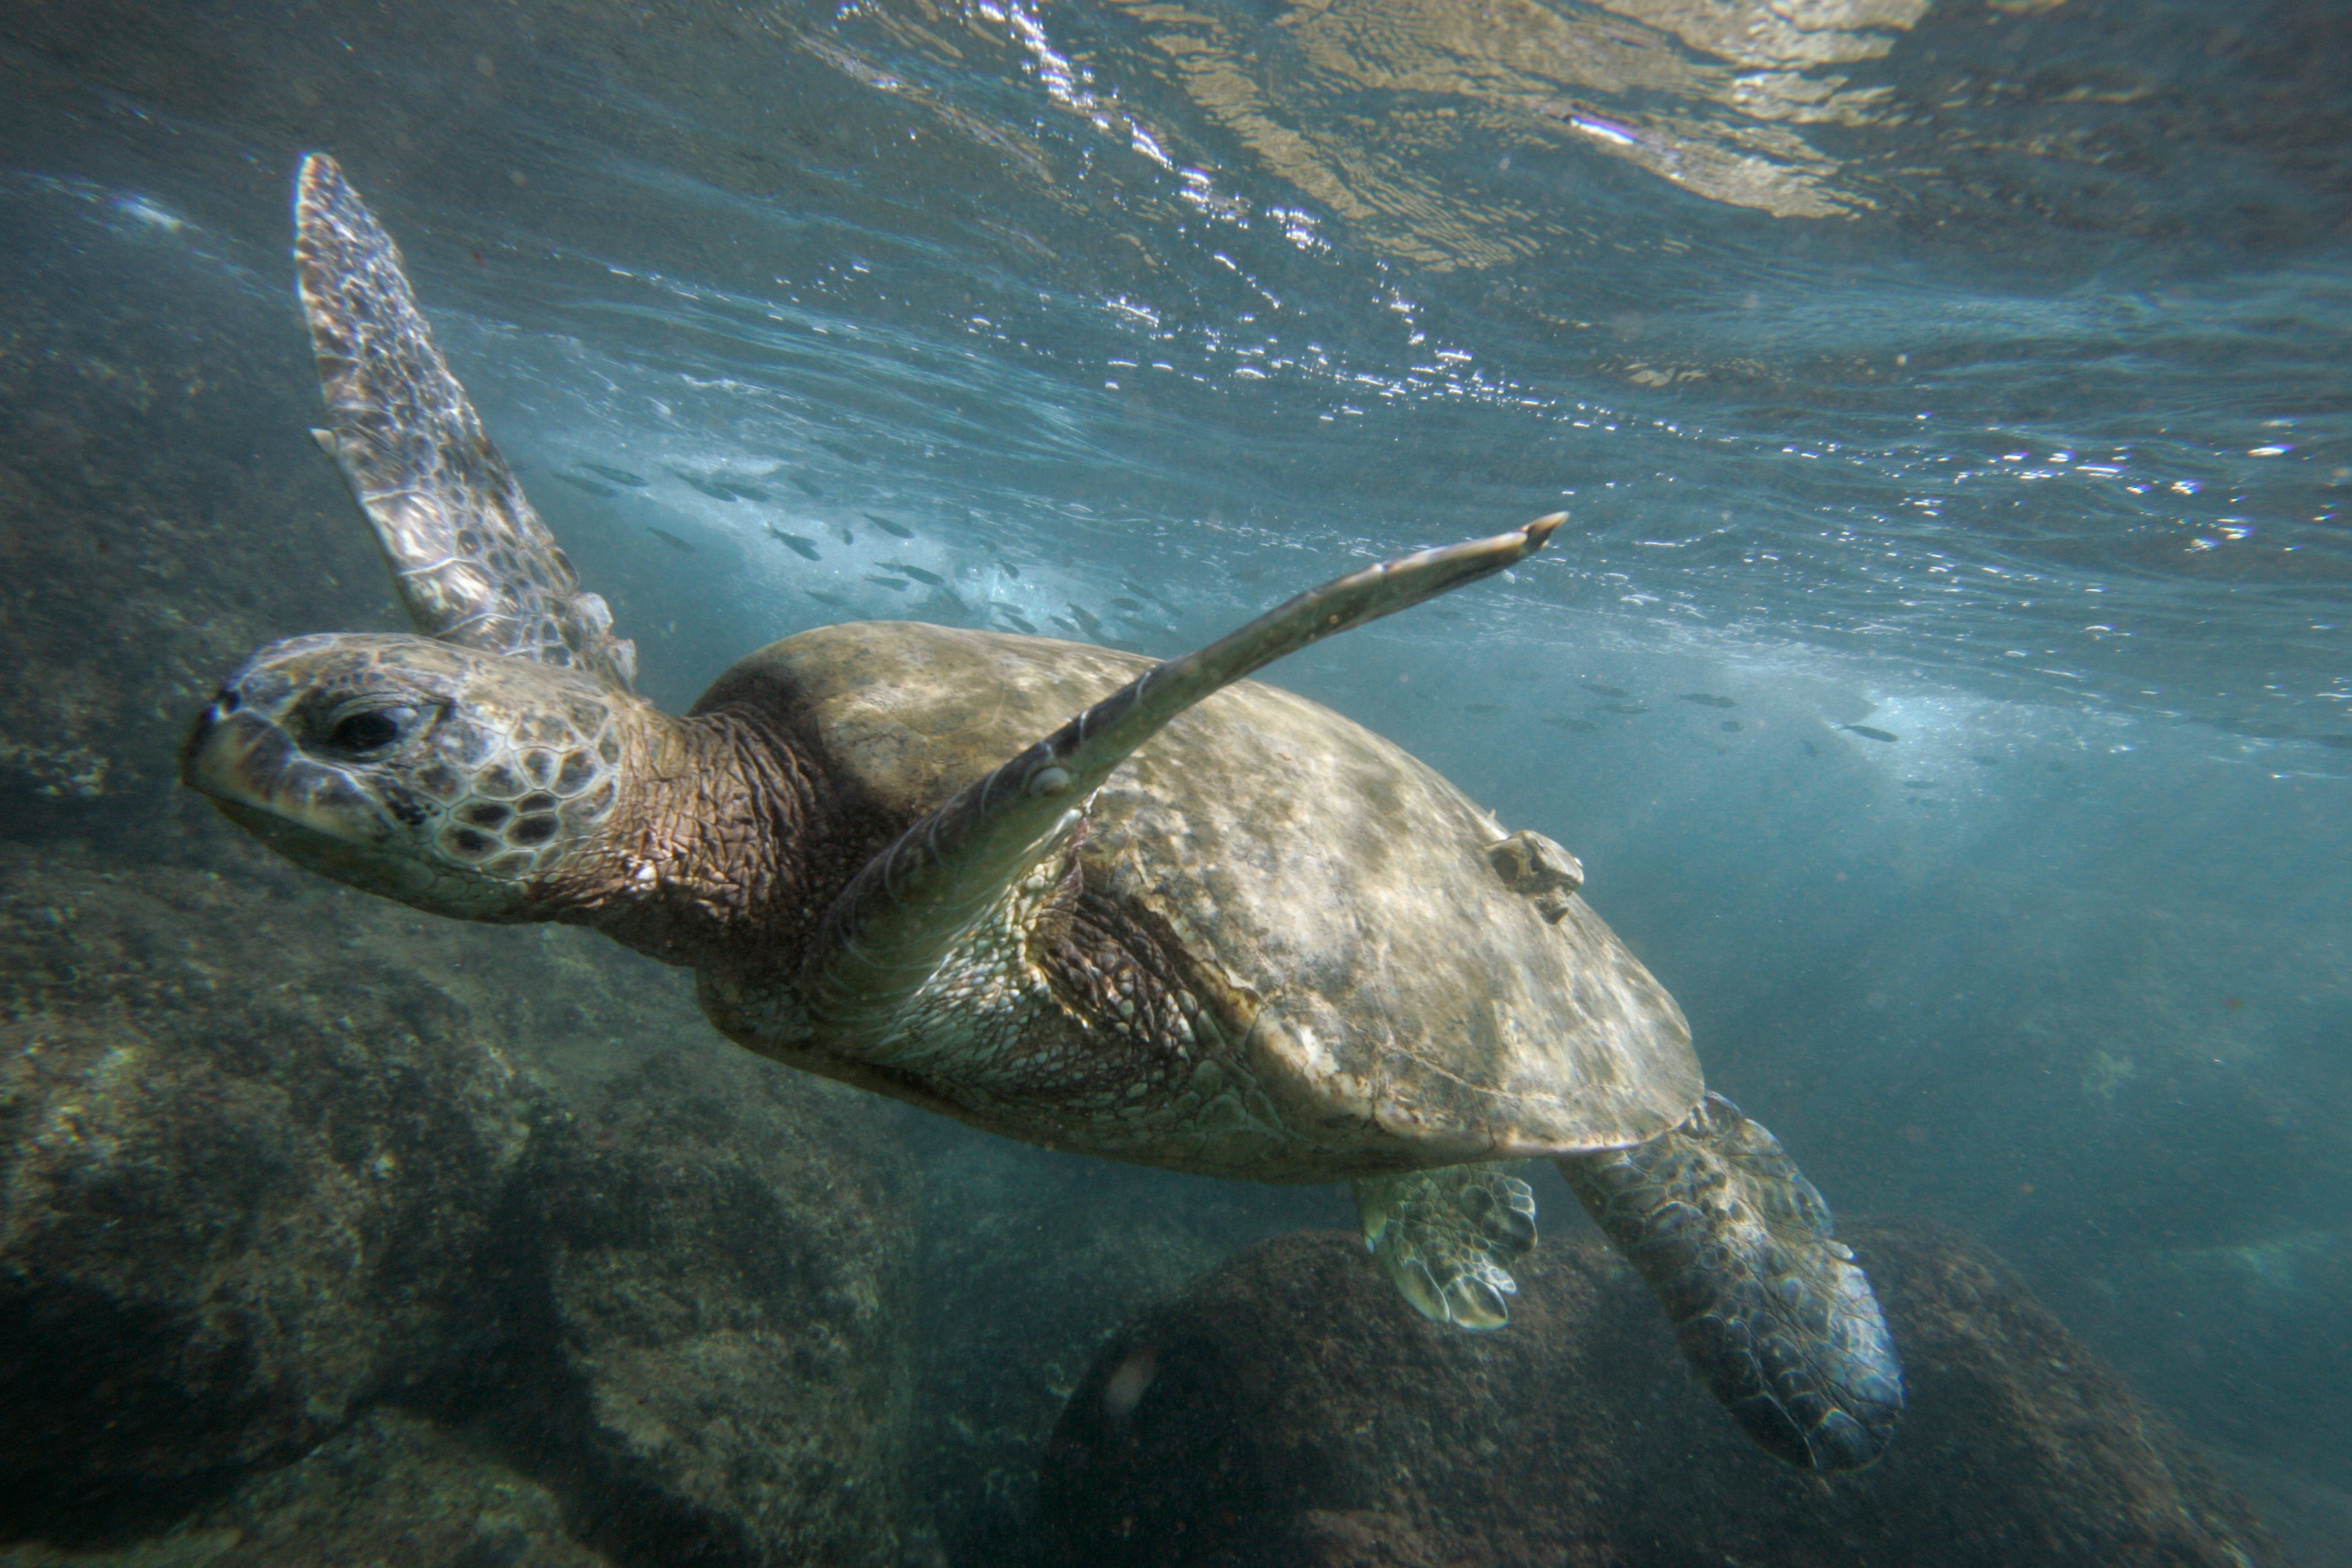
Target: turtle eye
[(362, 731)]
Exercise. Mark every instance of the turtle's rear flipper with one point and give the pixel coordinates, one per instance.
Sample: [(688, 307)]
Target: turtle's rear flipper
[(923, 898), (1770, 1309), (1448, 1239)]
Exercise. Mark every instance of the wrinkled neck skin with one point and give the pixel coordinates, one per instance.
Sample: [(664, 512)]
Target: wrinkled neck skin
[(704, 865)]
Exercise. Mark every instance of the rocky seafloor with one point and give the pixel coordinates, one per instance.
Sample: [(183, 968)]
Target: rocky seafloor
[(331, 1233)]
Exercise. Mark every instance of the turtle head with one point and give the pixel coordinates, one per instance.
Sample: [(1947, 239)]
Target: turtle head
[(462, 783)]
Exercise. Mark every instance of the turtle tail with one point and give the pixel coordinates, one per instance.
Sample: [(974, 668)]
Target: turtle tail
[(1768, 1307)]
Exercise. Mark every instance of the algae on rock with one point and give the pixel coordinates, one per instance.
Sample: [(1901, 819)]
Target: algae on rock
[(273, 1156)]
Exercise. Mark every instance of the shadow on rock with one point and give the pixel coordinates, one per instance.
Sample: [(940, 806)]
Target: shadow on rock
[(1031, 1260), (688, 1326), (1289, 1412)]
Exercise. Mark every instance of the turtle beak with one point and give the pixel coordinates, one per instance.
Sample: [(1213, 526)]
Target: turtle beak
[(255, 775), (252, 769), (233, 754)]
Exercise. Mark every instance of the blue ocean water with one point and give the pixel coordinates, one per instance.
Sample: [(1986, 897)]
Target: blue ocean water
[(1944, 673)]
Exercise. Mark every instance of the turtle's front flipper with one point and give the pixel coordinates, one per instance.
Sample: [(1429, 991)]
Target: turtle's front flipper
[(1770, 1309), (919, 900), (472, 563), (1448, 1239)]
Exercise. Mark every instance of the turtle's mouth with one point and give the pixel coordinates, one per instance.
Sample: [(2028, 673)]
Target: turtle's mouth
[(324, 853)]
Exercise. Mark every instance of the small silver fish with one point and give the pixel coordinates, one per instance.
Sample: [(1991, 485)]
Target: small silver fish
[(1597, 689), (887, 526), (1868, 733), (710, 488), (672, 540), (1708, 700), (591, 486), (618, 476), (803, 548)]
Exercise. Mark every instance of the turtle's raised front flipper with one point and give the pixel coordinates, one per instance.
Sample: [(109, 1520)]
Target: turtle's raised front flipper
[(1448, 1238), (472, 562), (1770, 1309), (912, 905)]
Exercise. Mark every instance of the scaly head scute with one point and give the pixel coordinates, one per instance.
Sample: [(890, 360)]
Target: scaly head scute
[(458, 781)]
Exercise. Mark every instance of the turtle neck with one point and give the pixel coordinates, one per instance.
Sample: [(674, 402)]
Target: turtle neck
[(706, 863)]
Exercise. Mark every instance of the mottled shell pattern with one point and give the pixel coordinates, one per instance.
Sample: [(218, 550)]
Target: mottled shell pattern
[(1401, 968)]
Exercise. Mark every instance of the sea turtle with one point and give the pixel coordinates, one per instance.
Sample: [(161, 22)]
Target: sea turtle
[(1204, 924)]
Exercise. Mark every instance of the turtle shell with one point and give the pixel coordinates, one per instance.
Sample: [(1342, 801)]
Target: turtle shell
[(1394, 987)]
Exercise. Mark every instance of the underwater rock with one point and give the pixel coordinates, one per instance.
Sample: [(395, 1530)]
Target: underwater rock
[(1031, 1260), (695, 1313), (1288, 1411), (2207, 1330), (389, 1488), (244, 1167), (272, 1156), (2311, 1519)]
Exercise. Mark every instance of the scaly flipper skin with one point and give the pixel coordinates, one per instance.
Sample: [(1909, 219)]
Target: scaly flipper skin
[(472, 562), (1447, 1238), (913, 904), (1769, 1308)]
